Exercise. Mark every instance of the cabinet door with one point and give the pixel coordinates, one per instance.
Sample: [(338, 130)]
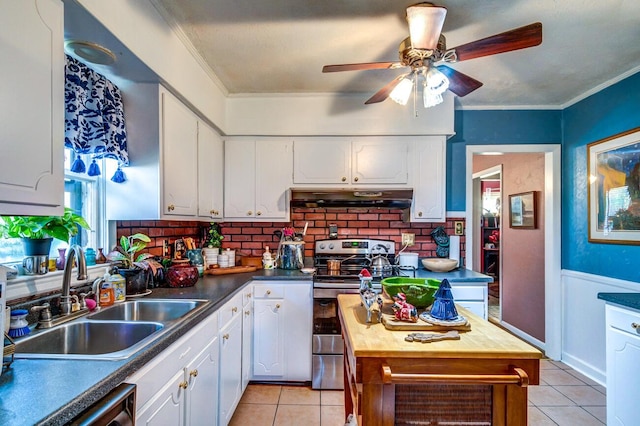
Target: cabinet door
[(247, 344), (322, 160), (377, 161), (32, 107), (202, 376), (167, 407), (230, 369), (269, 338), (298, 320), (179, 157), (429, 203), (239, 178), (273, 178), (210, 172)]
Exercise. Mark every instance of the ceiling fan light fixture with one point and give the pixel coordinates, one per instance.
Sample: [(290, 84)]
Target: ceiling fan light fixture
[(425, 24), (436, 82), (401, 93), (430, 100)]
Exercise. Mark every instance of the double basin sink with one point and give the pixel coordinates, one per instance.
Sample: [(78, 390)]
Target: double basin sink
[(112, 333)]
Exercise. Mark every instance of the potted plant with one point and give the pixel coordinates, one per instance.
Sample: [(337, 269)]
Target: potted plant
[(214, 237), (137, 271), (37, 232)]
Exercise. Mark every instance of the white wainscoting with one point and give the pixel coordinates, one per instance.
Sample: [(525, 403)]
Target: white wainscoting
[(583, 320)]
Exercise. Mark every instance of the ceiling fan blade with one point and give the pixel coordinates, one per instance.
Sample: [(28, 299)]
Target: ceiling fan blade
[(383, 93), (362, 66), (519, 38), (459, 83)]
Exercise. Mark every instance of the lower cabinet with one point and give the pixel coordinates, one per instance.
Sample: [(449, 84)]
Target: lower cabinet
[(623, 368), (230, 338), (472, 297), (282, 330), (179, 386), (247, 334)]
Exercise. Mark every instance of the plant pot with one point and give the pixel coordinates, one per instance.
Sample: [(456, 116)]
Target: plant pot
[(36, 246), (137, 280)]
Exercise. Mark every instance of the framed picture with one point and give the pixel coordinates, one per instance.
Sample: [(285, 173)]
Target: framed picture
[(614, 189), (522, 210)]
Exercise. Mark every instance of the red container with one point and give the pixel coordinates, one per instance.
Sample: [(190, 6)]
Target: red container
[(182, 275)]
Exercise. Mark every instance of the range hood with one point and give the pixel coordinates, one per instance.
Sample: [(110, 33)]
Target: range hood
[(342, 198)]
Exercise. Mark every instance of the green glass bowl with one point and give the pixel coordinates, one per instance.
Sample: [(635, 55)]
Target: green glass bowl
[(420, 292)]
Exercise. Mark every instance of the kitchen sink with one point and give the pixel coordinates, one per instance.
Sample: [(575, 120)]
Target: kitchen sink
[(89, 340), (158, 310)]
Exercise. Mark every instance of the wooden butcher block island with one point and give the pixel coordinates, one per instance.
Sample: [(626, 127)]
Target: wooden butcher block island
[(480, 379)]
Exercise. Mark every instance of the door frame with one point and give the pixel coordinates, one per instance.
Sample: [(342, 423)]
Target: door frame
[(552, 232)]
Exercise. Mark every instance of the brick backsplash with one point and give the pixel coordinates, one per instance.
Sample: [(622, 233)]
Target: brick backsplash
[(251, 237)]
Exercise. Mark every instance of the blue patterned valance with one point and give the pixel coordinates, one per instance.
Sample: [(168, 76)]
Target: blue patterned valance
[(94, 119)]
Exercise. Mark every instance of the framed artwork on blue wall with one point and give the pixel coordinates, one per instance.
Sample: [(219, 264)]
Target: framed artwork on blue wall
[(613, 166)]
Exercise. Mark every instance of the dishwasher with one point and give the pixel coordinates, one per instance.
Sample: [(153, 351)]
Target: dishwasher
[(118, 408)]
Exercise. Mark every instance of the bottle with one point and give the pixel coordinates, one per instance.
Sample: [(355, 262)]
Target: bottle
[(90, 256), (119, 285), (106, 292)]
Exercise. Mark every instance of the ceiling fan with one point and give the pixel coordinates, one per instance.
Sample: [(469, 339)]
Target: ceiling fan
[(425, 53)]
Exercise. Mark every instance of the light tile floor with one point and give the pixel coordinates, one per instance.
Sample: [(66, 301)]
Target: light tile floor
[(564, 398)]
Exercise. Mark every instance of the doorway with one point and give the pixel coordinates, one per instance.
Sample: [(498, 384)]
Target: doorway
[(487, 210), (551, 343)]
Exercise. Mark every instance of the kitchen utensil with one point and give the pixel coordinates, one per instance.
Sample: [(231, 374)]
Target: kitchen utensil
[(334, 265), (230, 270), (290, 255)]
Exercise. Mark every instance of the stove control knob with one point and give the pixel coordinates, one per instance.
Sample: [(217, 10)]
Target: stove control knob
[(330, 246)]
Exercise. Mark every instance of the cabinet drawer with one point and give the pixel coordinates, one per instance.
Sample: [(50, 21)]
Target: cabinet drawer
[(231, 309), (623, 319), (468, 292), (268, 291), (475, 307)]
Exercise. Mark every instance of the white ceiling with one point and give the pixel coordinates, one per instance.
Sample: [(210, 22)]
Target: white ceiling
[(280, 46)]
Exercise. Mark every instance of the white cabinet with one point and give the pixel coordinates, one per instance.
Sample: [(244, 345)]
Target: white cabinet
[(230, 337), (429, 179), (178, 387), (471, 297), (179, 156), (247, 334), (282, 330), (210, 173), (623, 368), (32, 107), (257, 179), (353, 161)]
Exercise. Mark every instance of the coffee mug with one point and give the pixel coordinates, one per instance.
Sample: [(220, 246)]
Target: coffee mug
[(35, 265)]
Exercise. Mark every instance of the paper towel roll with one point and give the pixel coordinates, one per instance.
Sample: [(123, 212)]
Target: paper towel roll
[(454, 247)]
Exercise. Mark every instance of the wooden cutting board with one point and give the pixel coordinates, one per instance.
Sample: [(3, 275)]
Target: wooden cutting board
[(230, 270), (390, 323)]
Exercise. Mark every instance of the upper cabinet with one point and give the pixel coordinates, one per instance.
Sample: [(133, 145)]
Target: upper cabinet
[(356, 161), (257, 178), (428, 179), (210, 172), (32, 107)]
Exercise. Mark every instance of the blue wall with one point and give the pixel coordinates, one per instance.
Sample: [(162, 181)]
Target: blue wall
[(613, 110), (606, 113), (494, 128)]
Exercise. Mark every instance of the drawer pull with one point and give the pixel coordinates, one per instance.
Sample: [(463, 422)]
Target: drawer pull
[(234, 309), (193, 373), (268, 292), (277, 306), (183, 385), (635, 325), (518, 377)]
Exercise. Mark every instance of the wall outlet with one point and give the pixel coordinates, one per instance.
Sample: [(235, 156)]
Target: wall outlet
[(458, 228), (408, 239)]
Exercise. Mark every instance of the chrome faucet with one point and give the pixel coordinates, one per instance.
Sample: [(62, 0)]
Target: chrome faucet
[(75, 251)]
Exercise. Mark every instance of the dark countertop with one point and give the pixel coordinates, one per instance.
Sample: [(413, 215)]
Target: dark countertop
[(628, 300), (52, 392)]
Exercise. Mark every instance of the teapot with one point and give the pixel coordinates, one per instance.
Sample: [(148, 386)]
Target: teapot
[(380, 263)]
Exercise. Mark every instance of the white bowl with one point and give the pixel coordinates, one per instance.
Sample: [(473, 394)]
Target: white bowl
[(439, 264)]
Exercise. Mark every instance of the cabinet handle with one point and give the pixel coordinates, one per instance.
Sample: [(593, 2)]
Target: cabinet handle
[(258, 213), (344, 179), (171, 207), (183, 385), (226, 336), (635, 325), (234, 309), (268, 292), (193, 373), (355, 179), (419, 214), (247, 312), (249, 213), (277, 306)]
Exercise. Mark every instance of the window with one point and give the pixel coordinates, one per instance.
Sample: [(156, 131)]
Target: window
[(82, 193)]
